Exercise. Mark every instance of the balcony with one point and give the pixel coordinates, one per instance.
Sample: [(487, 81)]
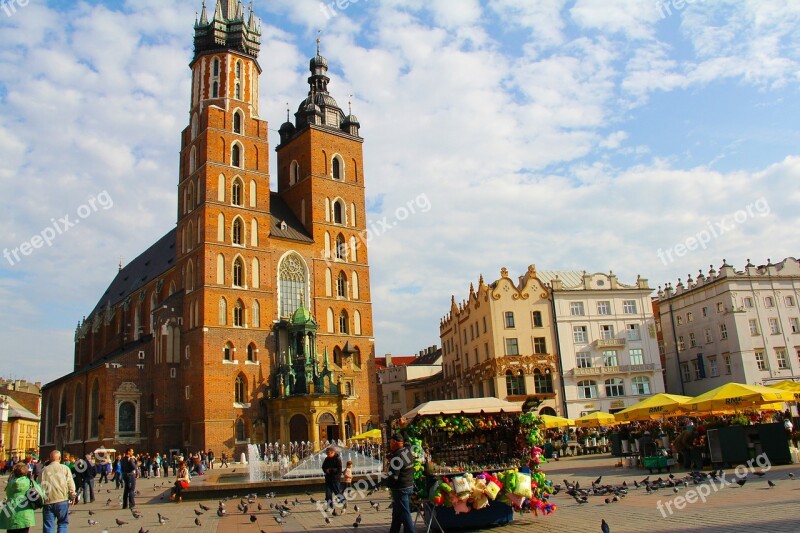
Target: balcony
[(609, 343), (619, 369)]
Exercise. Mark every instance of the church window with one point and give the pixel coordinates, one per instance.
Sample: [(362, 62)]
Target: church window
[(237, 91), (126, 418), (238, 272), (216, 67), (238, 315), (341, 285), (336, 166), (241, 434), (236, 192), (237, 122), (223, 312), (294, 172), (291, 283), (344, 328), (215, 89), (237, 231), (338, 212), (341, 248), (236, 156), (240, 390), (227, 352), (256, 314), (251, 352)]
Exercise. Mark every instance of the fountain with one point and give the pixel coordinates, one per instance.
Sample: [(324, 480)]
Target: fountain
[(299, 460)]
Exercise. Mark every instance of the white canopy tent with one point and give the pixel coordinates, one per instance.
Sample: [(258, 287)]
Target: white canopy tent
[(467, 406)]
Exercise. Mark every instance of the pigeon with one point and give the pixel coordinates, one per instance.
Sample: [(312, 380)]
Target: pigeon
[(197, 522), (203, 507), (791, 475), (259, 507), (327, 520), (136, 514), (770, 483), (356, 508), (358, 519), (608, 500), (162, 519), (253, 518), (142, 530), (675, 490), (108, 501), (119, 522), (741, 482), (198, 513), (91, 513), (597, 481), (313, 500), (92, 522), (279, 520), (604, 527)]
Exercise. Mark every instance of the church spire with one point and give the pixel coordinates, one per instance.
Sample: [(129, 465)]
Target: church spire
[(227, 30), (204, 15)]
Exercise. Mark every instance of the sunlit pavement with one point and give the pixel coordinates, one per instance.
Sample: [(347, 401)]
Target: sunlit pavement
[(753, 507)]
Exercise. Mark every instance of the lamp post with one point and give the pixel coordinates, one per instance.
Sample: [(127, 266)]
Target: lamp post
[(3, 420)]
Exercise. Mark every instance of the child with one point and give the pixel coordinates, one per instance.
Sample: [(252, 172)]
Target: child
[(347, 475)]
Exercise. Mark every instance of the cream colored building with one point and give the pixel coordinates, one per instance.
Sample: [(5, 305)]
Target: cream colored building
[(20, 432), (607, 336), (732, 326), (394, 380), (501, 342)]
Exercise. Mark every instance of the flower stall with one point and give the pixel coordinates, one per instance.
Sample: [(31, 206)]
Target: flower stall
[(478, 461)]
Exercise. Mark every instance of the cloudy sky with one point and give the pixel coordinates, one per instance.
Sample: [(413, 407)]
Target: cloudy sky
[(584, 135)]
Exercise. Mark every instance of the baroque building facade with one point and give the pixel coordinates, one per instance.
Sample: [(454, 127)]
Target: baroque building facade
[(732, 325), (251, 321)]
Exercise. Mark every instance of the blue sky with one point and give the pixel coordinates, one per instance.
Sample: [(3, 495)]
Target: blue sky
[(573, 134)]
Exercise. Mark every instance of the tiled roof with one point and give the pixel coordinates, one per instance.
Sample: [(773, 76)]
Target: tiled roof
[(429, 358), (153, 262), (570, 278), (280, 212), (16, 410)]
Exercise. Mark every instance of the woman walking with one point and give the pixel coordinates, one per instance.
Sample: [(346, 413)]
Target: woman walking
[(17, 515), (181, 483)]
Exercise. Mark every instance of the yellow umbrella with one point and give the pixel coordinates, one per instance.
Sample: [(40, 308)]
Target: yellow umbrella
[(657, 406), (791, 386), (549, 421), (371, 434), (737, 397), (595, 419)]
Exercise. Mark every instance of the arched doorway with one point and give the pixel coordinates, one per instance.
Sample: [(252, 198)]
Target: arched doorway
[(547, 411), (298, 429), (328, 428), (350, 428)]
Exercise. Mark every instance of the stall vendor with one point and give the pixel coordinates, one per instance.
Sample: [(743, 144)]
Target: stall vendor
[(401, 481)]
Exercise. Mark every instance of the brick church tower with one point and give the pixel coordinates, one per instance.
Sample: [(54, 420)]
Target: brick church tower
[(251, 321)]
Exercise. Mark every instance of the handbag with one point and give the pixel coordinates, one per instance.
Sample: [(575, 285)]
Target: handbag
[(184, 484), (35, 496)]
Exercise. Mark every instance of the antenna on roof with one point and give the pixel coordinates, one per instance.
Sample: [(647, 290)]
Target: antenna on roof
[(120, 263), (319, 33), (350, 105)]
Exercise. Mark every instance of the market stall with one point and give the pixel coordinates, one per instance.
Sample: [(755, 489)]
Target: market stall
[(478, 461)]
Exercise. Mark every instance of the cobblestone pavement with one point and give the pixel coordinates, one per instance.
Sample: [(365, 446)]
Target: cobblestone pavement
[(755, 507)]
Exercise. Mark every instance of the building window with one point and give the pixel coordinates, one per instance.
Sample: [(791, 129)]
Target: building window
[(629, 307), (704, 311), (509, 319), (216, 67), (761, 363), (341, 248), (607, 331), (237, 91), (696, 368), (610, 358), (692, 341), (395, 396), (237, 122), (539, 345), (753, 323), (633, 332), (636, 356), (681, 343), (720, 307), (251, 352), (723, 331), (484, 324), (712, 364), (341, 285), (747, 302), (536, 316), (641, 385), (215, 89), (680, 320), (709, 337), (603, 308), (769, 301), (238, 272), (512, 348), (292, 282), (789, 301), (685, 372), (794, 323), (728, 367), (774, 327), (343, 323), (587, 389), (236, 192), (126, 418), (241, 435), (515, 383), (690, 317), (238, 315), (356, 357), (614, 387), (337, 356), (543, 382), (256, 314), (783, 360), (576, 309), (584, 359), (579, 334), (223, 312), (227, 352), (237, 231), (336, 167), (236, 156), (240, 390)]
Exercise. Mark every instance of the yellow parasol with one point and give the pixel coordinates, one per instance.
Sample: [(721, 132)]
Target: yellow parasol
[(657, 406), (737, 397), (549, 421), (371, 434), (595, 419)]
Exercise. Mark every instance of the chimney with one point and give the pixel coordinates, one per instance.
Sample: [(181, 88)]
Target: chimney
[(388, 360)]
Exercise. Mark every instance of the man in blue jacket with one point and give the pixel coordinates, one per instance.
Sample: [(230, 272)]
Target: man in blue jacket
[(401, 482)]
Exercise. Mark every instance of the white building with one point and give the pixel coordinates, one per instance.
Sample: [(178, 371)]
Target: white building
[(732, 326), (395, 373), (607, 336)]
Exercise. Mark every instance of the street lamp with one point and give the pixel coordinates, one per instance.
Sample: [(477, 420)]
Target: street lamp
[(3, 420)]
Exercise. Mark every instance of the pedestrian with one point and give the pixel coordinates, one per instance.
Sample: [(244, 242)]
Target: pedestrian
[(156, 464), (224, 460), (17, 514), (332, 468), (118, 471), (88, 479), (59, 488), (210, 460), (181, 482), (401, 482), (130, 472), (104, 467), (347, 475)]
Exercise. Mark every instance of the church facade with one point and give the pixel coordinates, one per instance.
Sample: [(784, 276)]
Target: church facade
[(251, 320)]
